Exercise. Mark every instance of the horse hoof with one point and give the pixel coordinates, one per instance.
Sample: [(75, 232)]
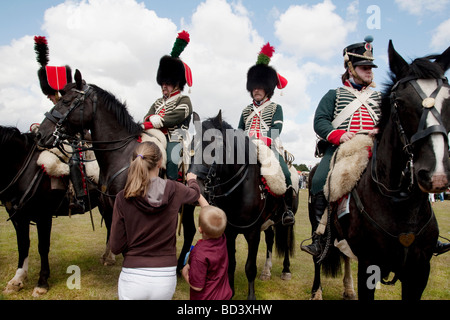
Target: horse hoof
[(13, 287), (316, 295), (286, 276), (38, 292), (265, 276), (349, 296)]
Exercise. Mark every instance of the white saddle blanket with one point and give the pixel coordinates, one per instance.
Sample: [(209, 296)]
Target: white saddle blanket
[(346, 166), (271, 169), (56, 163)]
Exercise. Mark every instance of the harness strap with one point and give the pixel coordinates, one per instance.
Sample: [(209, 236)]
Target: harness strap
[(241, 169), (115, 175)]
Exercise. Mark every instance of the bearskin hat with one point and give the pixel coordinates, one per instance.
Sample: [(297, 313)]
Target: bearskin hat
[(261, 75), (51, 79), (171, 69)]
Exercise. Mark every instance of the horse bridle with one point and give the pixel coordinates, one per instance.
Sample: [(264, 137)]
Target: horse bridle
[(422, 131), (58, 119), (208, 175)]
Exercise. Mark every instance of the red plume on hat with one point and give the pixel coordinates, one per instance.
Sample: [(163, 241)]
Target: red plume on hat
[(41, 49), (265, 54), (264, 57)]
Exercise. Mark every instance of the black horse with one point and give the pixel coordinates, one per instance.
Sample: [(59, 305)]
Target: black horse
[(391, 226), (231, 179), (114, 137), (27, 194)]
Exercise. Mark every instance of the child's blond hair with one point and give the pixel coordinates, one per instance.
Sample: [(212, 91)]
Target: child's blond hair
[(213, 221)]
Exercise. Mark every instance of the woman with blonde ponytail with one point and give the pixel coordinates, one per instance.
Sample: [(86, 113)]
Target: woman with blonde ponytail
[(144, 226)]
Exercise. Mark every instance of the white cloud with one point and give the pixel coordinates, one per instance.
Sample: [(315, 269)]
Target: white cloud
[(313, 31), (117, 46), (421, 7), (441, 36)]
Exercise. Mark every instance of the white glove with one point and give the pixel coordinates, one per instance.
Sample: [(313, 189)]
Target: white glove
[(156, 121)]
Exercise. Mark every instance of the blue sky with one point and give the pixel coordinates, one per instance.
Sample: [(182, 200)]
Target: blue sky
[(114, 51)]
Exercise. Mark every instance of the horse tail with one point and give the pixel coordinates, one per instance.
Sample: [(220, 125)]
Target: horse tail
[(284, 240), (332, 264)]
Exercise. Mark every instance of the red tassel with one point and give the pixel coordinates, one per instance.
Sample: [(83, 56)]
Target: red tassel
[(40, 40), (184, 35), (267, 50)]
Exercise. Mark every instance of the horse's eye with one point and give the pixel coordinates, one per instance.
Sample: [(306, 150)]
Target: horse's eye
[(400, 104)]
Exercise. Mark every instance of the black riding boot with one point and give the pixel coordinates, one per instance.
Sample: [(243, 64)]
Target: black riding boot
[(441, 248), (288, 218), (78, 203), (316, 209)]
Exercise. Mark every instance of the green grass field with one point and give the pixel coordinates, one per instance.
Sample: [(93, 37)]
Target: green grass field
[(74, 242)]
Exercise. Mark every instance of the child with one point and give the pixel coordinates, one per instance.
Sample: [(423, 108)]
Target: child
[(207, 268), (144, 227)]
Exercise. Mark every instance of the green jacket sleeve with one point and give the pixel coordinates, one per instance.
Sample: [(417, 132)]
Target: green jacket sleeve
[(150, 111), (241, 123), (325, 114), (277, 123), (179, 114)]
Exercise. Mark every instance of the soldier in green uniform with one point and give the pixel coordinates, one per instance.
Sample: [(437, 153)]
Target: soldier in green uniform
[(172, 112), (341, 114), (263, 119)]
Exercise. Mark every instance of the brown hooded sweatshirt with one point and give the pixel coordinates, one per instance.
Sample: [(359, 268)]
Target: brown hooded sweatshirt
[(144, 228)]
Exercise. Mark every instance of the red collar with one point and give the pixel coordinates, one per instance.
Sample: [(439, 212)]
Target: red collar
[(172, 94), (348, 83)]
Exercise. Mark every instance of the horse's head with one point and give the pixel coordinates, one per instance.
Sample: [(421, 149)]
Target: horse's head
[(218, 151), (206, 146), (72, 114), (419, 103)]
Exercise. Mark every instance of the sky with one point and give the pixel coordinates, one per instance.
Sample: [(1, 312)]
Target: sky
[(117, 44)]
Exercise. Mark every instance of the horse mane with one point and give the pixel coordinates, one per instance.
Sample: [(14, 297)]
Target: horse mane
[(119, 109), (420, 68), (212, 123), (9, 133)]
